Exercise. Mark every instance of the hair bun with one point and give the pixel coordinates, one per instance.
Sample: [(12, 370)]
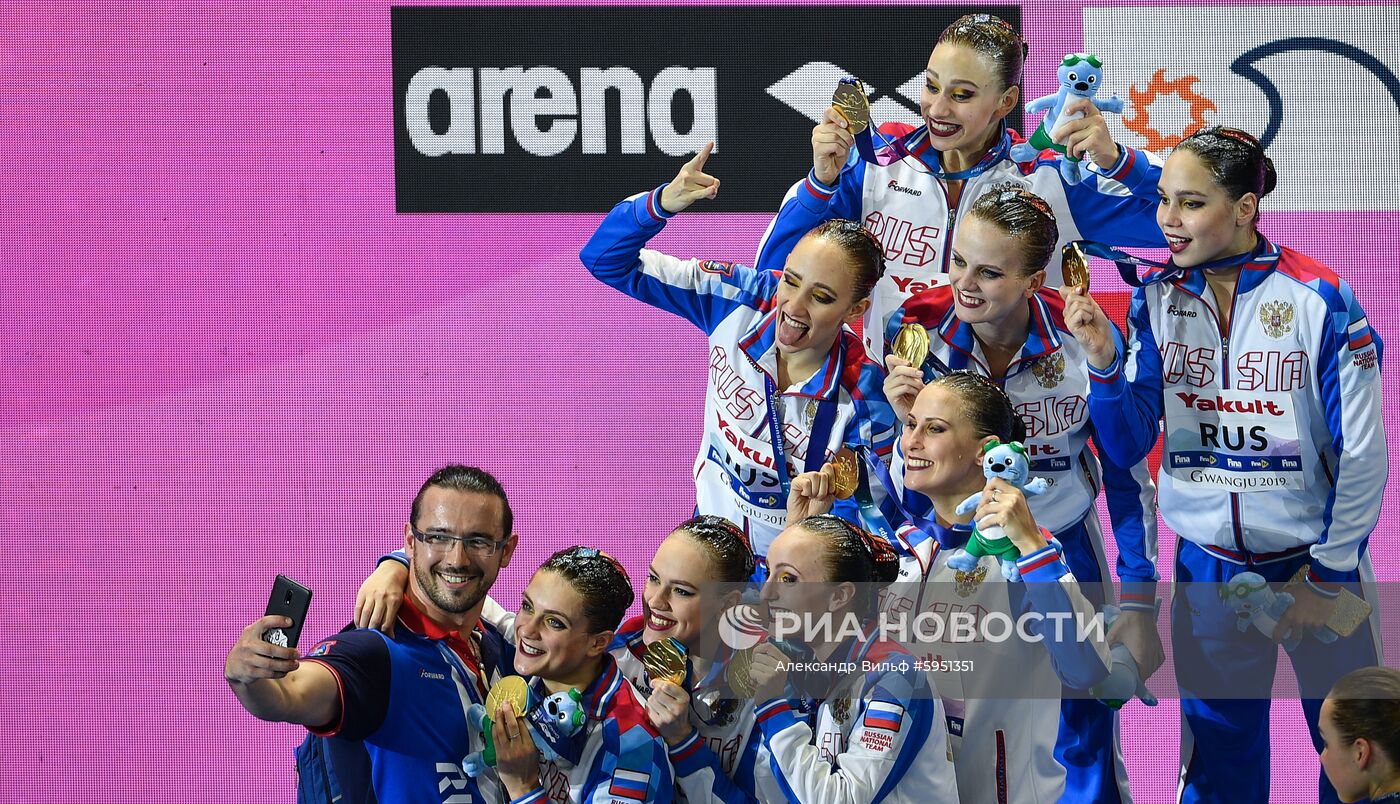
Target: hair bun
[(1270, 176), (884, 560)]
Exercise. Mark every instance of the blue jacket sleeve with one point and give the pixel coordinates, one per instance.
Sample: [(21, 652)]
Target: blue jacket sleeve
[(1125, 400), (1349, 374), (701, 291), (1117, 206), (701, 776), (904, 730), (1131, 497), (807, 204), (1052, 592)]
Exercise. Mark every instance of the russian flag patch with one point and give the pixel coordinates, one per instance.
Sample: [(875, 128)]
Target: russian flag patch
[(629, 784), (883, 715), (1359, 334)]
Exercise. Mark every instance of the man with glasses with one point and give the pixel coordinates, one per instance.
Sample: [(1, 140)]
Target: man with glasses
[(404, 694)]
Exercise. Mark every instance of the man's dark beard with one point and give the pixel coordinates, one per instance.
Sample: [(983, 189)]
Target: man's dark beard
[(428, 584)]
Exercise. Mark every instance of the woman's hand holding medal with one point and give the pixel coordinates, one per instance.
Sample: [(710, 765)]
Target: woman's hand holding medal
[(691, 184), (769, 672), (668, 708), (902, 385), (812, 494), (832, 141), (1088, 324), (517, 758)]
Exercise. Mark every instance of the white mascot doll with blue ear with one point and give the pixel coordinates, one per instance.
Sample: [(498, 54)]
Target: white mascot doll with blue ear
[(1008, 462), (1080, 75)]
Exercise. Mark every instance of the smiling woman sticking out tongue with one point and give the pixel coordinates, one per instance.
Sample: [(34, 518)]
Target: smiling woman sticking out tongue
[(789, 385)]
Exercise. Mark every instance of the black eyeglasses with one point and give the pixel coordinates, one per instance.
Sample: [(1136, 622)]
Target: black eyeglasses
[(442, 542)]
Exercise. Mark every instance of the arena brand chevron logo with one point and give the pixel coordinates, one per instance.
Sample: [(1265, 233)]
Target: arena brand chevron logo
[(808, 91)]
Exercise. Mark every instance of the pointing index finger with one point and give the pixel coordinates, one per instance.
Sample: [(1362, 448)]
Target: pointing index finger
[(698, 161)]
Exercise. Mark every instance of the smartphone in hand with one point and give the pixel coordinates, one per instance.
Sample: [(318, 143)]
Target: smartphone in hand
[(289, 599)]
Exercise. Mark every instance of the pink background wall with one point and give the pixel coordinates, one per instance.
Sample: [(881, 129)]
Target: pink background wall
[(225, 356)]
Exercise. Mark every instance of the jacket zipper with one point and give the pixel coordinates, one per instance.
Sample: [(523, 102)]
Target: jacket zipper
[(1224, 330)]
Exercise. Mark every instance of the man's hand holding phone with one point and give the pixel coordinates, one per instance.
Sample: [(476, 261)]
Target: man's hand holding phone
[(267, 647), (253, 658)]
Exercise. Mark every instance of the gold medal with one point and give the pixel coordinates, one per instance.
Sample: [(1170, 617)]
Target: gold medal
[(510, 688), (845, 473), (665, 660), (912, 344), (736, 673), (850, 101), (1074, 266), (1351, 610)]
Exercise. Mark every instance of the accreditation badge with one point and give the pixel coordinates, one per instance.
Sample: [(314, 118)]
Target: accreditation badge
[(1240, 441)]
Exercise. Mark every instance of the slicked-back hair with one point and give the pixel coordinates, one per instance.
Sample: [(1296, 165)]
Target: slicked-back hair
[(457, 477)]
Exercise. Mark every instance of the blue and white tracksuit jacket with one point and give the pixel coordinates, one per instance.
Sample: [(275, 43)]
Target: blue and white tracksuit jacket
[(1049, 386), (909, 209), (1274, 458), (722, 725), (1002, 698), (879, 736), (733, 304), (1274, 434), (623, 759)]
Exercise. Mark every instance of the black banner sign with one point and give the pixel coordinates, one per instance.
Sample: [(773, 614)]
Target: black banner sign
[(570, 109)]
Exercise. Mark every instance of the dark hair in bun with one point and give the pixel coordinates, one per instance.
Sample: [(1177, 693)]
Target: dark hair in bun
[(726, 544), (994, 38), (861, 247), (599, 579), (986, 406), (1025, 218), (1236, 160), (854, 555)]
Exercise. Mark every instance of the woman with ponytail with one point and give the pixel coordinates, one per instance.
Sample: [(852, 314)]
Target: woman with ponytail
[(1262, 364), (705, 727), (843, 715), (1002, 694)]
